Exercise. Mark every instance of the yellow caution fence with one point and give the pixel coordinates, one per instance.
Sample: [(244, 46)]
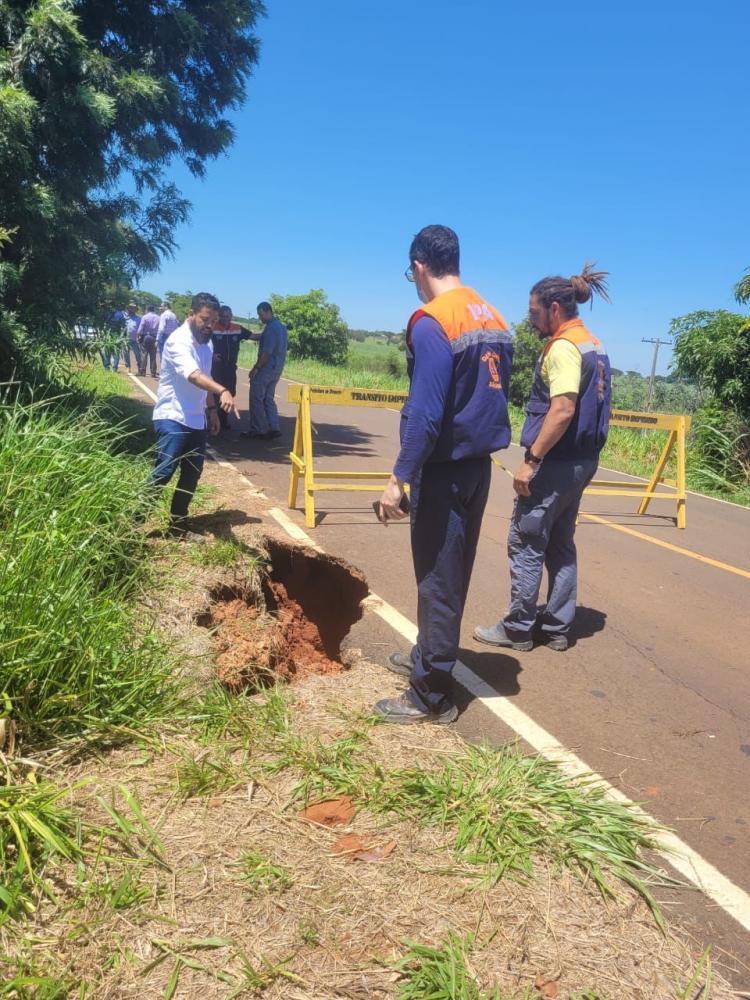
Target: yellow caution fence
[(677, 427), (314, 481), (301, 455)]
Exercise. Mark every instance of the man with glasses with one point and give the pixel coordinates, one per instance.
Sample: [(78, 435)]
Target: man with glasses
[(459, 355)]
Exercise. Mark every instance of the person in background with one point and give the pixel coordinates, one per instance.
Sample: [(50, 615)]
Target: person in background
[(265, 374), (459, 356), (148, 329), (168, 323), (226, 338), (180, 412), (567, 419), (131, 321), (110, 354)]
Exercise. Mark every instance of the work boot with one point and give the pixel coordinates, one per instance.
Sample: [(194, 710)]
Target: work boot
[(400, 663), (553, 640), (403, 711), (495, 635)]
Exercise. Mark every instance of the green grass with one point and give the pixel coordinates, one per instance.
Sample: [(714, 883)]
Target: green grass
[(76, 661), (259, 874), (440, 973), (36, 827)]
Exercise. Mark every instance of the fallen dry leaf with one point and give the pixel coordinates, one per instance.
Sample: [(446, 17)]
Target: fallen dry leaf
[(376, 853), (548, 987), (349, 843), (332, 812), (357, 849)]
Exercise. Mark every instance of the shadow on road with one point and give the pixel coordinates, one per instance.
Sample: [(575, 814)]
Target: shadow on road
[(588, 621), (328, 441), (497, 669)]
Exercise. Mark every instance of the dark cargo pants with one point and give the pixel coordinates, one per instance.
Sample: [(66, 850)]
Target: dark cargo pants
[(447, 505)]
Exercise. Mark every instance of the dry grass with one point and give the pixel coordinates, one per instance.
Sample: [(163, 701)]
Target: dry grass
[(185, 913)]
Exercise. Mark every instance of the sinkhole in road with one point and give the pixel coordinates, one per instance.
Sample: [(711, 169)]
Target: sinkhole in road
[(286, 624)]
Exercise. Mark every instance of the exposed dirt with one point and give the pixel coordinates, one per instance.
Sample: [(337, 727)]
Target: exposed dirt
[(295, 628)]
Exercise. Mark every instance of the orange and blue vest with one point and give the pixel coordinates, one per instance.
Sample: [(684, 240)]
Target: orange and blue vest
[(226, 341), (587, 432), (475, 416)]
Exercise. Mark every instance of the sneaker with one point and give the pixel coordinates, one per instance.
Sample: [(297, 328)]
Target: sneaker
[(272, 434), (400, 663), (253, 434), (495, 635), (402, 711)]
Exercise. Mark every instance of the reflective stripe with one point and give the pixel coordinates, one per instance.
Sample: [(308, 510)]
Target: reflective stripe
[(473, 337)]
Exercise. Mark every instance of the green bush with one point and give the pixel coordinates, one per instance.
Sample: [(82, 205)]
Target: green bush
[(74, 663), (316, 329)]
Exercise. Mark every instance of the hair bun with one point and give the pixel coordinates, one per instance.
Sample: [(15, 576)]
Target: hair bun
[(581, 287)]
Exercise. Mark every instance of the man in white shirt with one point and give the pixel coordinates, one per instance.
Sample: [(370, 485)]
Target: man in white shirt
[(180, 410)]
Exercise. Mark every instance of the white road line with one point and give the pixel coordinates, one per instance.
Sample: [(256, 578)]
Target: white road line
[(701, 873)]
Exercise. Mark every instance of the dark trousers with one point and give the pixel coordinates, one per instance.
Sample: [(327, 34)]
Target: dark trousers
[(225, 373), (148, 354), (447, 507), (183, 447)]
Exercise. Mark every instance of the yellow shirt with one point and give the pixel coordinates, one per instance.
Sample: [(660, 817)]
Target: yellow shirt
[(561, 368)]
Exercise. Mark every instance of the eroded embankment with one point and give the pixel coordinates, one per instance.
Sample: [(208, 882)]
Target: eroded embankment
[(289, 624)]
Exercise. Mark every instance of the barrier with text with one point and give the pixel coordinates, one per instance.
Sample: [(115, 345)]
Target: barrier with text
[(658, 487), (301, 455)]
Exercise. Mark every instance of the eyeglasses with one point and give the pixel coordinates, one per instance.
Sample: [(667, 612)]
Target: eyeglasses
[(409, 273)]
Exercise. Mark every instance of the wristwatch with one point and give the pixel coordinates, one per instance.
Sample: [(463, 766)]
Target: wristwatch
[(530, 458)]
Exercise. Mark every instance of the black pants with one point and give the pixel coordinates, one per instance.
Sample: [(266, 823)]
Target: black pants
[(225, 374), (148, 354)]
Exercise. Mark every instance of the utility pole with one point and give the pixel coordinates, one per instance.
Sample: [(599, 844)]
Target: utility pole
[(657, 344)]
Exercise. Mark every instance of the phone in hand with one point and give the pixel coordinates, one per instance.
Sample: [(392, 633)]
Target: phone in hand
[(403, 505)]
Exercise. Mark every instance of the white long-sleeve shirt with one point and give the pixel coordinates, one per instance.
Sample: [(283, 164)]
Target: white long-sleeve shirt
[(178, 399)]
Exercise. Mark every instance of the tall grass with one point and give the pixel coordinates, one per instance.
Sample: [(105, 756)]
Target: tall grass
[(74, 661), (371, 365)]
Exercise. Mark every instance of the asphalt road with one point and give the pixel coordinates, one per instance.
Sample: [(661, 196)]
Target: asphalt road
[(654, 692)]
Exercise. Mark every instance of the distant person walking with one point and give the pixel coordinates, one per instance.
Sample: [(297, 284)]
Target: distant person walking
[(148, 330), (567, 419), (459, 354), (168, 323), (180, 413), (265, 374), (131, 321), (226, 338)]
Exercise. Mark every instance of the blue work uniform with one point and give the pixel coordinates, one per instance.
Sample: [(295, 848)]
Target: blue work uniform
[(543, 525), (264, 416), (459, 355)]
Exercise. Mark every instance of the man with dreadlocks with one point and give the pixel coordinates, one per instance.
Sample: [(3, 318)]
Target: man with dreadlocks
[(567, 419)]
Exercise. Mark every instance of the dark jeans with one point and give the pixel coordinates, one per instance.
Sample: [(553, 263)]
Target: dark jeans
[(148, 355), (446, 514), (177, 445)]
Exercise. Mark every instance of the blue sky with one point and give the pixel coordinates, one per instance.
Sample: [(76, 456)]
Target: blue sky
[(545, 134)]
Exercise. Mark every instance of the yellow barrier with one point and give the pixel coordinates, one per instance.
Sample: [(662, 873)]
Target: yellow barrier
[(303, 468), (678, 426), (301, 454)]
